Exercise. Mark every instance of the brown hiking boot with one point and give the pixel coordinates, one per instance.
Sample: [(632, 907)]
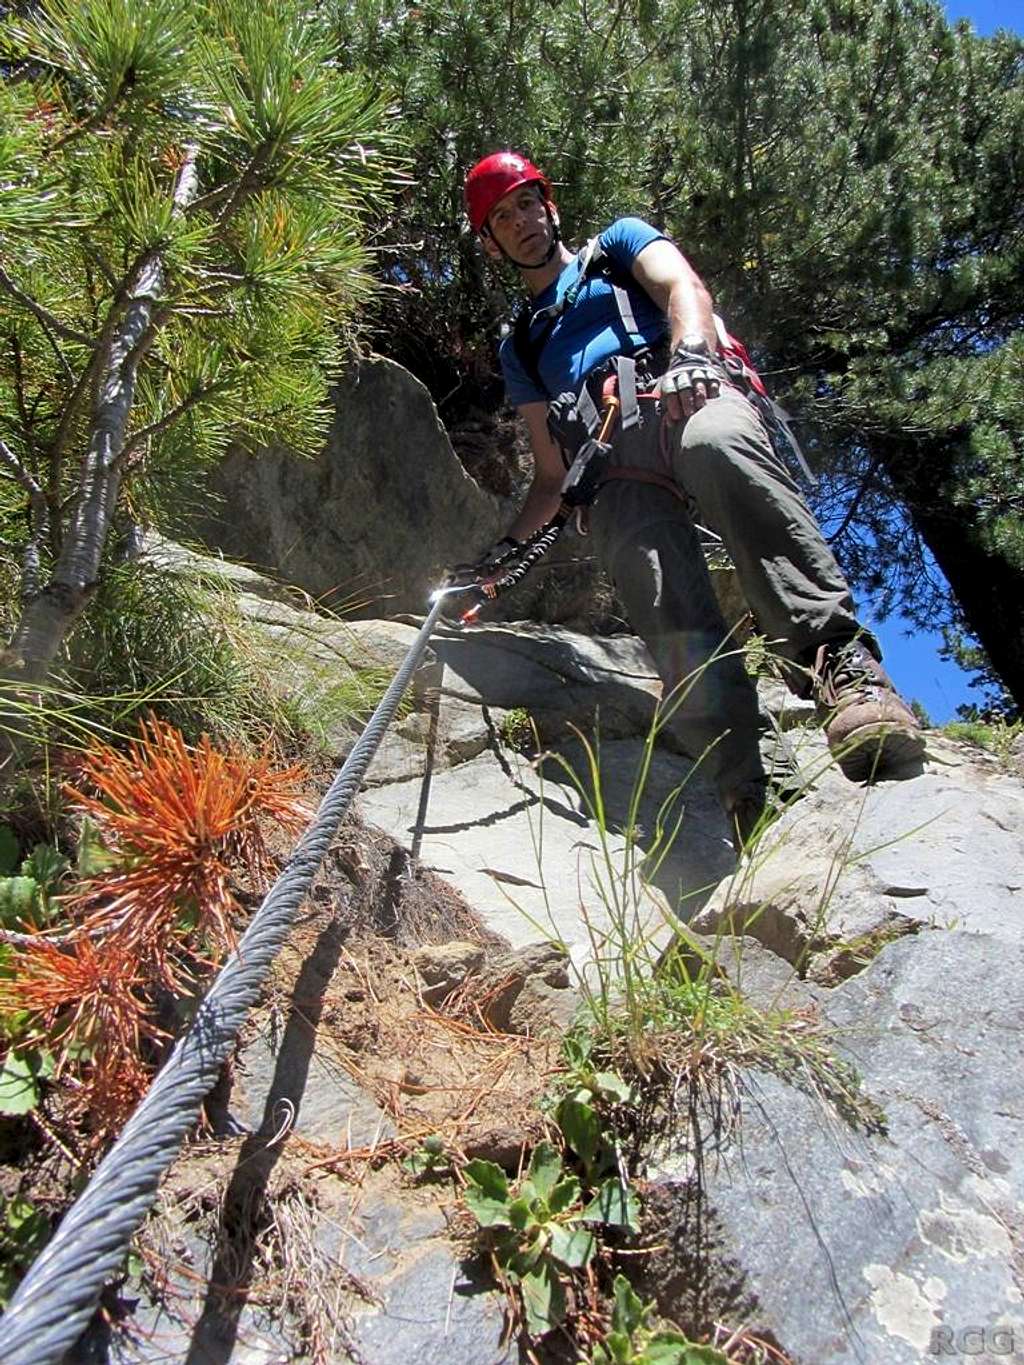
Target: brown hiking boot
[(870, 729)]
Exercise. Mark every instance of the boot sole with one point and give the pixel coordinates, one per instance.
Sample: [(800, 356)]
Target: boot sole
[(878, 751)]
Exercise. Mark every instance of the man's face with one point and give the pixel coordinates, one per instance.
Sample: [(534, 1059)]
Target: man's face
[(520, 226)]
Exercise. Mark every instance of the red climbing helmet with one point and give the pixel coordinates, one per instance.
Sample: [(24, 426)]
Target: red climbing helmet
[(494, 177)]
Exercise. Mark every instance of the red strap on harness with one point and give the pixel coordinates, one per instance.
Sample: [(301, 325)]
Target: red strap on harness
[(635, 473)]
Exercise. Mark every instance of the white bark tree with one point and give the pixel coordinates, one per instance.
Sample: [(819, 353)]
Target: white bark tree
[(184, 189)]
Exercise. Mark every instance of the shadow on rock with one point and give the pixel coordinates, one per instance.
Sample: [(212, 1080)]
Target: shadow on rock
[(213, 1339)]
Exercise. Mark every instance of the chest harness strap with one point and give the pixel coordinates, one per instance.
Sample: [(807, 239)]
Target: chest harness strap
[(732, 358)]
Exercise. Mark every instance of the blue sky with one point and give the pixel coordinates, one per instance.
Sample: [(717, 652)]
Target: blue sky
[(988, 15), (912, 661), (912, 658)]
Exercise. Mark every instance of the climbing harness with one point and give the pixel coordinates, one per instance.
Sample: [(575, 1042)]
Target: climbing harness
[(731, 357), (579, 487)]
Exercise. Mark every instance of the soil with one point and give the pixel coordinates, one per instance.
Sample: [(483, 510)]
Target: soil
[(273, 1215), (432, 1068)]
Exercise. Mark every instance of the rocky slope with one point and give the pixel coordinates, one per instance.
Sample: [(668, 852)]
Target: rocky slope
[(893, 913)]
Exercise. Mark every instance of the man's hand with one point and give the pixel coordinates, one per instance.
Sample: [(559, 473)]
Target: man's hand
[(489, 563), (690, 380)]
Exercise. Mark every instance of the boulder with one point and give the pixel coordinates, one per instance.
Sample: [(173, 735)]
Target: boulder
[(849, 869), (845, 1245), (890, 916), (371, 523), (374, 518)]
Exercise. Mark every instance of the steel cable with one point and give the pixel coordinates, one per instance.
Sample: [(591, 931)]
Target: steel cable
[(56, 1299)]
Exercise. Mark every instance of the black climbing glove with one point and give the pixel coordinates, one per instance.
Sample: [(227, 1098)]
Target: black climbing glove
[(690, 380), (493, 559)]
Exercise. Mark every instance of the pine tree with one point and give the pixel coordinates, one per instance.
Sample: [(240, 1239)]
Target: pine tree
[(855, 192), (186, 190), (569, 84)]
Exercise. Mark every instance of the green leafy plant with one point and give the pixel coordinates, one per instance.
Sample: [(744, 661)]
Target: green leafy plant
[(19, 901), (635, 1340), (24, 1230), (20, 1077), (542, 1230), (583, 1112), (25, 893), (516, 730), (429, 1158)]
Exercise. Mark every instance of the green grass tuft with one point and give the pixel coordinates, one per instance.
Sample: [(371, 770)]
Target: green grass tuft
[(997, 736)]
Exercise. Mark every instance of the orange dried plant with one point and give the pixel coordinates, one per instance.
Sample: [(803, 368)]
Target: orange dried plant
[(86, 1003), (178, 820)]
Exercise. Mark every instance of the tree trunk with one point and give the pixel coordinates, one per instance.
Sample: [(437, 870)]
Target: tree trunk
[(988, 585), (52, 611)]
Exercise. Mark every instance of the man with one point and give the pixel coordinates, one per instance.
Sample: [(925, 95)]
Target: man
[(702, 449)]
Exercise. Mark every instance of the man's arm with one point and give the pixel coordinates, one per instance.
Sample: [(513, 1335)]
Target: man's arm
[(544, 494), (671, 281)]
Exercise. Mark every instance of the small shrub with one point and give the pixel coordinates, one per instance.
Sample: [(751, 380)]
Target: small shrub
[(176, 819), (635, 1339), (164, 828), (82, 1003), (516, 730), (541, 1229)]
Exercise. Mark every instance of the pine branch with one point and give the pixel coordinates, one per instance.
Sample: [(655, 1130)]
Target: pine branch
[(106, 270), (188, 180), (40, 521), (19, 390), (46, 319), (169, 418), (69, 416), (247, 182), (101, 468), (18, 471), (865, 484), (126, 293), (145, 342)]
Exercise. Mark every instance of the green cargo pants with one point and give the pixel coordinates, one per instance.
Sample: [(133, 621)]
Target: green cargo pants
[(645, 537)]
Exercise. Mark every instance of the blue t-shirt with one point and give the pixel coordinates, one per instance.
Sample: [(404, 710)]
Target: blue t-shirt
[(592, 329)]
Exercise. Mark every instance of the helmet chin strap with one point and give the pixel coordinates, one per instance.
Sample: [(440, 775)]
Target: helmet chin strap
[(556, 237)]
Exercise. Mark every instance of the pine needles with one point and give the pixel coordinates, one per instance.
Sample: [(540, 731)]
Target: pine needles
[(86, 1004), (178, 824), (178, 819)]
